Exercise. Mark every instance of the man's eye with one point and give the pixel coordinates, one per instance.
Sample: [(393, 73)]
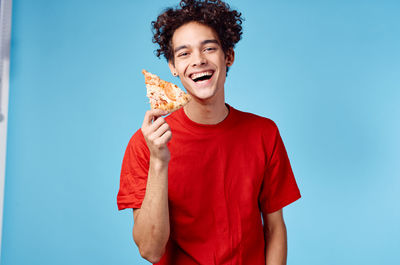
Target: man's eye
[(210, 49), (183, 54)]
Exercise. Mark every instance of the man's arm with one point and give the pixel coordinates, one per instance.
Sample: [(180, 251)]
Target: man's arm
[(275, 238), (151, 222)]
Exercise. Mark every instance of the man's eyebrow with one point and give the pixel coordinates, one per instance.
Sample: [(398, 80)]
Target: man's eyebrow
[(202, 43), (209, 41), (180, 48)]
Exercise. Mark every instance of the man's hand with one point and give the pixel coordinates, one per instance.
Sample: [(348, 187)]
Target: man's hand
[(157, 134)]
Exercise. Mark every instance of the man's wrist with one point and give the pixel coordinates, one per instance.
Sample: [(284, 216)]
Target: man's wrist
[(158, 164)]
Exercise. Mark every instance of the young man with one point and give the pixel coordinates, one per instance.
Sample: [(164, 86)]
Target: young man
[(200, 179)]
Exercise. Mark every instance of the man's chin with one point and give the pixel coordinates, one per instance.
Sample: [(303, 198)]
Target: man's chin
[(201, 93), (203, 98)]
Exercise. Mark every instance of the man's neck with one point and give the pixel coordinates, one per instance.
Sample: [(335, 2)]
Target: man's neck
[(202, 113)]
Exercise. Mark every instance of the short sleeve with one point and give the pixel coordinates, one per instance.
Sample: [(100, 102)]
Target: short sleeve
[(134, 171), (279, 187)]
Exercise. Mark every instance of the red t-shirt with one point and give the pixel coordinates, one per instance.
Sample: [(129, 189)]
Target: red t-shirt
[(220, 178)]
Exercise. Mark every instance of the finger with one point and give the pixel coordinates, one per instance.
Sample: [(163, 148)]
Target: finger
[(157, 123), (151, 114), (160, 131), (165, 138)]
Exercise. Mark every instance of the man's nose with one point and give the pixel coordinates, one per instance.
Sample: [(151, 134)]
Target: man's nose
[(199, 59)]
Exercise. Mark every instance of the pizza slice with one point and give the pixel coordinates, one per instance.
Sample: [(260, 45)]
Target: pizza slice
[(164, 95)]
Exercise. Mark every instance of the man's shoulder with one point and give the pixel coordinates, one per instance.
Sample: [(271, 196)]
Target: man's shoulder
[(254, 120), (137, 140)]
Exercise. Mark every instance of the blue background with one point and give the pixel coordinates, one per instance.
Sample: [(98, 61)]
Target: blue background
[(327, 72)]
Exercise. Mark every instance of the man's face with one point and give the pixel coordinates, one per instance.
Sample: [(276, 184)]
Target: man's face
[(200, 61)]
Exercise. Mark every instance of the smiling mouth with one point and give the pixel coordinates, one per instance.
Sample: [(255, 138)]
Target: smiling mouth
[(197, 77)]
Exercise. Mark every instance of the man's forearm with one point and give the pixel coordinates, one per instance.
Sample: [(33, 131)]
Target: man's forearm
[(151, 229), (276, 246)]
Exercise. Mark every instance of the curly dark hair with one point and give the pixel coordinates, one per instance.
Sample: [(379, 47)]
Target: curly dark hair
[(213, 13)]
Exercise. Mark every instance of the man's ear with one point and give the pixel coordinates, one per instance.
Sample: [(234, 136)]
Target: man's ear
[(230, 57), (172, 68)]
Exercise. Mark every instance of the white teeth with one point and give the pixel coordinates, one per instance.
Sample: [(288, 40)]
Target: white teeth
[(197, 75)]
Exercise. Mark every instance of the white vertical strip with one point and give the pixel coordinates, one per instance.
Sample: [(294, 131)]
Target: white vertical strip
[(5, 37)]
